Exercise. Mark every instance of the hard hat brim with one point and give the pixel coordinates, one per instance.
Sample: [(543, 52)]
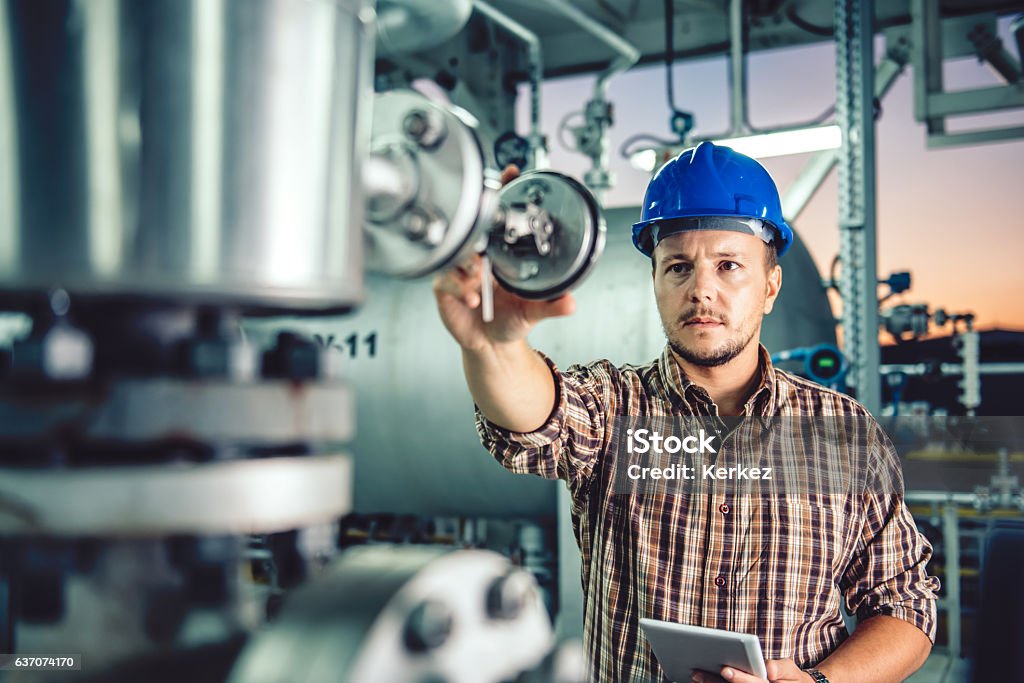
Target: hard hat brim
[(646, 237)]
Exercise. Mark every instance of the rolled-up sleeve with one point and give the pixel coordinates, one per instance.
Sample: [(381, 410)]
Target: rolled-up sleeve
[(889, 575), (569, 443)]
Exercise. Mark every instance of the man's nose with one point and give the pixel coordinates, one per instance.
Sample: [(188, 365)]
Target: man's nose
[(703, 286)]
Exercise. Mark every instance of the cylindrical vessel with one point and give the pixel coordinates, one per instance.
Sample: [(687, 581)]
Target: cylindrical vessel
[(416, 450), (198, 151)]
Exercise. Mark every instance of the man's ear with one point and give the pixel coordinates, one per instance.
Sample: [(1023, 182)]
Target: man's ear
[(772, 291)]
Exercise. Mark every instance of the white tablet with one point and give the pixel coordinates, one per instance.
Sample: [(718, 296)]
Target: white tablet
[(680, 649)]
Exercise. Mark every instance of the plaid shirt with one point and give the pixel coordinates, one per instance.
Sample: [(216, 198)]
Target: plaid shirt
[(777, 570)]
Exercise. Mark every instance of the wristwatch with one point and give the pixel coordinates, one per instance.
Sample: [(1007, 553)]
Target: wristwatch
[(817, 675)]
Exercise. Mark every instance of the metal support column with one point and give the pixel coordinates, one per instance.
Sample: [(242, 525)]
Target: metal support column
[(855, 115), (951, 546), (569, 622)]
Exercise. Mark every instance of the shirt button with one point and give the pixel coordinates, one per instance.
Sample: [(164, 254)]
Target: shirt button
[(719, 581), (724, 508)]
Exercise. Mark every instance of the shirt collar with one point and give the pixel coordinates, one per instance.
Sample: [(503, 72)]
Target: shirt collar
[(761, 402)]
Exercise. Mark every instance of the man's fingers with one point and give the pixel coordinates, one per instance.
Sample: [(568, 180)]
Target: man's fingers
[(784, 670), (736, 676), (509, 173), (465, 286), (539, 310), (701, 676), (469, 267), (462, 288)]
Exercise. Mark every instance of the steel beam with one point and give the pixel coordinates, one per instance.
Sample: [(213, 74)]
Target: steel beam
[(926, 38)]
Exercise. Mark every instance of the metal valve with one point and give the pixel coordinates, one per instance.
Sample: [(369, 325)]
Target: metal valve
[(432, 202), (548, 234)]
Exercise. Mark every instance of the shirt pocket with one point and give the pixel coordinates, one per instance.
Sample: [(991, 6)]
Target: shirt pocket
[(804, 545)]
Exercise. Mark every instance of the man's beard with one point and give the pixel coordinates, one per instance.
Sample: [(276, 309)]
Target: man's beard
[(713, 358)]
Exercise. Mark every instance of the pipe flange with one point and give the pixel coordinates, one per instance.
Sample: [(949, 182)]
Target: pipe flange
[(454, 193)]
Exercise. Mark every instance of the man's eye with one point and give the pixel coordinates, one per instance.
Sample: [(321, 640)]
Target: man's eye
[(679, 268), (730, 265)]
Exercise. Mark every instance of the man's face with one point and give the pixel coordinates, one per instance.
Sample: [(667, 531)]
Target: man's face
[(713, 287)]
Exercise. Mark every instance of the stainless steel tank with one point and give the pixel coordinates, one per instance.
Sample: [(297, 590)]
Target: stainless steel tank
[(186, 150), (416, 449)]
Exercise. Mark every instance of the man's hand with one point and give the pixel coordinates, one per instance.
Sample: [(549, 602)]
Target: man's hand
[(458, 300), (779, 671)]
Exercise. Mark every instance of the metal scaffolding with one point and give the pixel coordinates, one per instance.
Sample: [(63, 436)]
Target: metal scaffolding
[(857, 218)]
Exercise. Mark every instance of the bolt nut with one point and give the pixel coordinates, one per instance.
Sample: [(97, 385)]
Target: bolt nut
[(292, 357), (535, 194), (62, 353), (60, 302), (204, 358), (428, 626), (528, 269), (416, 223), (425, 128), (509, 595)]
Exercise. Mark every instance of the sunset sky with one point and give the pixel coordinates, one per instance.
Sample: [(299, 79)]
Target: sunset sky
[(954, 217)]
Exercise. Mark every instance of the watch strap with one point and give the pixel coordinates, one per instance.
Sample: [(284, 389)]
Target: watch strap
[(817, 676)]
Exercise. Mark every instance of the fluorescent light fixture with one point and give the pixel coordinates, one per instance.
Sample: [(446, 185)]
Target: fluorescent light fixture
[(644, 160), (798, 141), (762, 146)]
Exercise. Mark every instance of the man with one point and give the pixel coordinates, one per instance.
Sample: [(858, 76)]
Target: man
[(713, 228)]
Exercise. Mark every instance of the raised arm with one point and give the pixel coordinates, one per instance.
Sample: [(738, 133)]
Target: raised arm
[(511, 383)]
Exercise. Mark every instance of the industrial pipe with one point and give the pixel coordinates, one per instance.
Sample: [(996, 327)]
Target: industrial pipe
[(952, 368), (737, 71), (598, 111), (535, 69), (628, 54), (1017, 29), (414, 25)]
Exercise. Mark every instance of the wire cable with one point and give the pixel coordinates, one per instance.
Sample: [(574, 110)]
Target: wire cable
[(803, 24), (625, 149), (563, 125), (613, 11)]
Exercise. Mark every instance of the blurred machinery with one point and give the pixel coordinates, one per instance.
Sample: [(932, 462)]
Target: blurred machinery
[(963, 478), (822, 363), (165, 172), (169, 168), (208, 404)]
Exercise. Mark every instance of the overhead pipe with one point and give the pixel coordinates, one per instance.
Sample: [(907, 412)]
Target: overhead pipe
[(951, 369), (598, 112), (739, 125), (739, 119), (1017, 29), (739, 115), (535, 70), (413, 25), (628, 53)]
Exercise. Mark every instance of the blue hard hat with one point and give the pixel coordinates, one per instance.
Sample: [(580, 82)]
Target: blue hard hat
[(710, 187)]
